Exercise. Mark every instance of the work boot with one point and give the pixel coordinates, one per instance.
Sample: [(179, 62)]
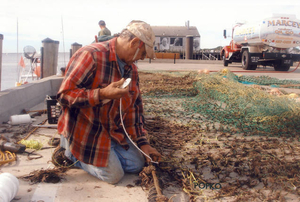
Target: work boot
[(60, 160)]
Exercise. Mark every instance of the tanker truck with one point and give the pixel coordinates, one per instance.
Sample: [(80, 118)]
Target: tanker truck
[(267, 43)]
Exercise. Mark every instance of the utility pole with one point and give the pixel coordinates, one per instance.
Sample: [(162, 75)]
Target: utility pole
[(1, 39)]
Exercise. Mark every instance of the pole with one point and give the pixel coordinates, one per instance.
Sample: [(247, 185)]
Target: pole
[(174, 57), (50, 57), (1, 39), (74, 47), (189, 47), (18, 51), (62, 27), (42, 62)]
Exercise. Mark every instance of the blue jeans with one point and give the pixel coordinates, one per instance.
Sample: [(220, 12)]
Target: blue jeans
[(120, 161)]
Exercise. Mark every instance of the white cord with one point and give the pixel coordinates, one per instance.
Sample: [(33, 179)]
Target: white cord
[(121, 117)]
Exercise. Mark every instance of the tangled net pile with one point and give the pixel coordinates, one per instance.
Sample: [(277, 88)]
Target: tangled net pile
[(267, 80), (223, 98)]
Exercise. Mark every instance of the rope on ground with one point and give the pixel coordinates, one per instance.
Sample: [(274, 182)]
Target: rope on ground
[(7, 157), (32, 144)]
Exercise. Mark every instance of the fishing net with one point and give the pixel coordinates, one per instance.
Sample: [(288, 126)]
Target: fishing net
[(267, 80), (233, 103), (223, 97)]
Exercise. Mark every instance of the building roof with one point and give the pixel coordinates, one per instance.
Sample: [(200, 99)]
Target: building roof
[(175, 31)]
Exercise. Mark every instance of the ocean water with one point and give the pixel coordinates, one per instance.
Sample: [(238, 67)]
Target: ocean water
[(11, 70)]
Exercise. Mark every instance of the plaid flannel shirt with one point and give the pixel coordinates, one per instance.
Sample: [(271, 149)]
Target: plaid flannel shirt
[(89, 125)]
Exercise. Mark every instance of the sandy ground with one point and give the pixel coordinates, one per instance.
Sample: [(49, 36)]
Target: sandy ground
[(77, 185)]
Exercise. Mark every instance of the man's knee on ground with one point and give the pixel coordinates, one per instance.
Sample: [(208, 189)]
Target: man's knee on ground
[(114, 178), (136, 167), (111, 176)]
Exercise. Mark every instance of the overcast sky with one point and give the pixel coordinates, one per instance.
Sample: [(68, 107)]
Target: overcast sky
[(77, 21)]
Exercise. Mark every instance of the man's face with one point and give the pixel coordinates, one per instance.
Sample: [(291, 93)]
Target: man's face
[(141, 54)]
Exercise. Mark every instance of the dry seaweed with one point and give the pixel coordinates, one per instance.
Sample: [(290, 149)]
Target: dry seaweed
[(54, 175)]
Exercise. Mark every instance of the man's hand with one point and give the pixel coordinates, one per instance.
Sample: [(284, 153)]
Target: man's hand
[(112, 91), (152, 152)]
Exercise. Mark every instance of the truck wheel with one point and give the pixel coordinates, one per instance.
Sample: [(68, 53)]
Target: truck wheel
[(245, 60), (279, 67), (225, 62)]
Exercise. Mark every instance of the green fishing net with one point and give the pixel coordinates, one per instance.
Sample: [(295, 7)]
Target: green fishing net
[(232, 103), (225, 98)]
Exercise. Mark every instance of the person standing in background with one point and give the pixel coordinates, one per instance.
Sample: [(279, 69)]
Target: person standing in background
[(104, 31)]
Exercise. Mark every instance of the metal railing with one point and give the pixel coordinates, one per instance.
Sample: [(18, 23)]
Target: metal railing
[(211, 57)]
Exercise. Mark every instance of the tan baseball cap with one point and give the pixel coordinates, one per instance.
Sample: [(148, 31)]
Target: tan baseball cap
[(144, 32)]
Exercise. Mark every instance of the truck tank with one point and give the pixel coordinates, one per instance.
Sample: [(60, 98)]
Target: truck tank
[(279, 31)]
